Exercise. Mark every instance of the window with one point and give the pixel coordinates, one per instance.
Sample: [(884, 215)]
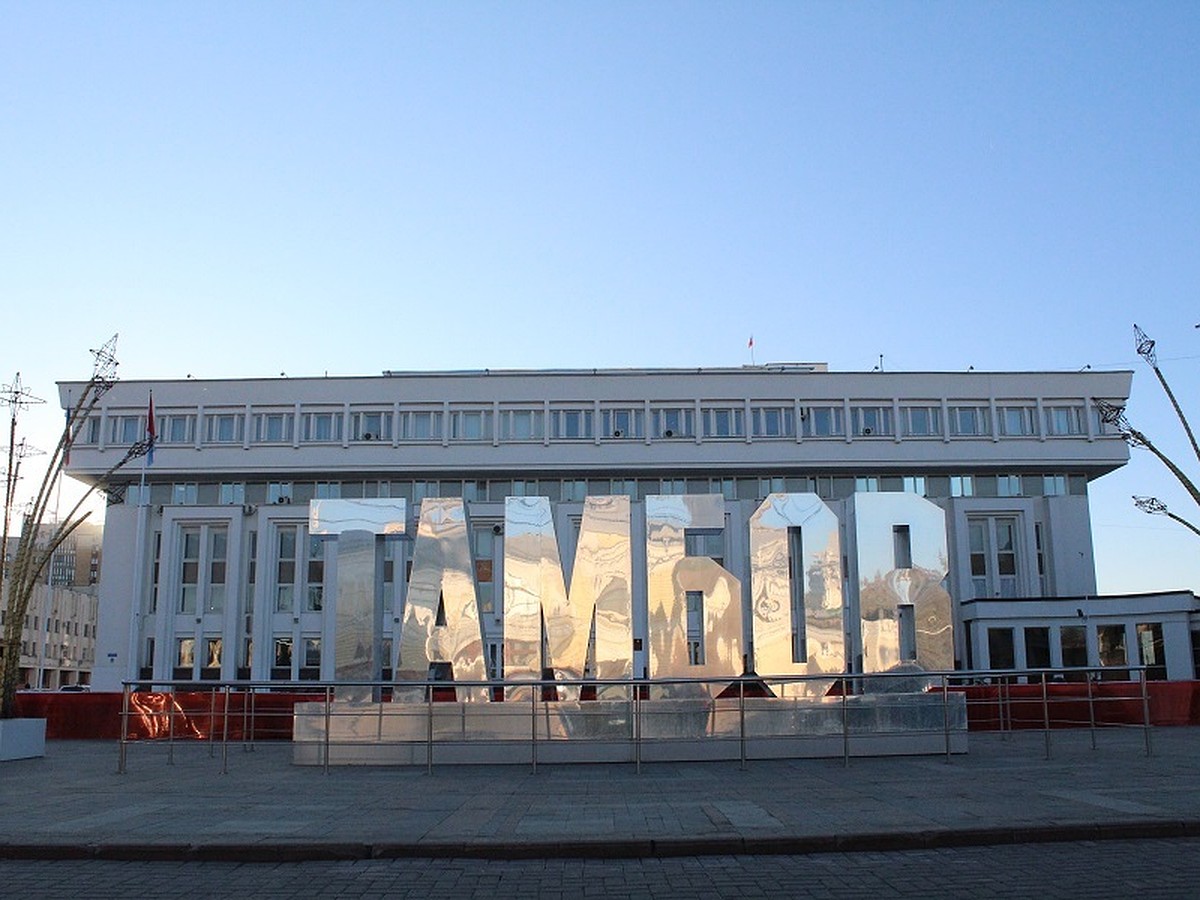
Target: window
[(524, 487), (232, 493), (574, 489), (571, 424), (695, 627), (273, 428), (176, 429), (1001, 651), (154, 567), (212, 656), (1054, 485), (901, 547), (773, 421), (866, 484), (423, 489), (1064, 420), (627, 486), (251, 573), (1037, 648), (1073, 642), (327, 490), (483, 548), (421, 425), (91, 432), (726, 487), (315, 595), (215, 589), (223, 428), (922, 421), (823, 421), (872, 420), (1008, 485), (771, 485), (622, 423), (189, 574), (1017, 421), (321, 427), (673, 486), (969, 421), (371, 426), (993, 556), (471, 425), (674, 422), (279, 492), (914, 484), (285, 577), (724, 422), (1039, 545), (705, 542), (282, 662), (126, 429), (522, 425), (185, 655), (310, 669), (184, 494), (962, 486), (1151, 651), (1110, 642)]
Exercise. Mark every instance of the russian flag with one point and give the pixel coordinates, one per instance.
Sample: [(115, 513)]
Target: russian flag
[(151, 432)]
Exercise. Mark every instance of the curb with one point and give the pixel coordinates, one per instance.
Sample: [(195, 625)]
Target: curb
[(867, 842)]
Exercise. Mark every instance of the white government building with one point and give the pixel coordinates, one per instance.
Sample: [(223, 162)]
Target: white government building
[(210, 571)]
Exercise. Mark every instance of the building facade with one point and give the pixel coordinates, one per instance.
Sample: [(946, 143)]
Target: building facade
[(58, 640), (211, 572)]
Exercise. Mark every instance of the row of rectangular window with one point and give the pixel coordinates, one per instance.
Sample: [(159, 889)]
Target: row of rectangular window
[(576, 489), (665, 423)]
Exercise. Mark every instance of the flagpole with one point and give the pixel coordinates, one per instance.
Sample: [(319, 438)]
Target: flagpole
[(751, 346)]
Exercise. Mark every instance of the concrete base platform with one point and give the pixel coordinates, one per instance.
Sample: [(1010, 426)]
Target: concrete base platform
[(616, 731)]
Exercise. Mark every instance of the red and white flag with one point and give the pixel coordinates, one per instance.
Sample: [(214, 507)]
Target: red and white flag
[(151, 432)]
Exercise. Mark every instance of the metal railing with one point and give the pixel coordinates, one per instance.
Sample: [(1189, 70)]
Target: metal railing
[(847, 711)]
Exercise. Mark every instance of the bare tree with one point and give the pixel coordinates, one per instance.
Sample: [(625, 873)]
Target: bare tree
[(1114, 415), (40, 539)]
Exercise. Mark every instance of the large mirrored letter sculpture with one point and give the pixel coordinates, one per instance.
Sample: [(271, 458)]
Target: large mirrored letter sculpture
[(357, 604), (442, 576), (796, 603), (902, 564), (671, 575), (535, 592)]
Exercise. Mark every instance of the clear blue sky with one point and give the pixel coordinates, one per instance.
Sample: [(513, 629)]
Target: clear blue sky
[(256, 188)]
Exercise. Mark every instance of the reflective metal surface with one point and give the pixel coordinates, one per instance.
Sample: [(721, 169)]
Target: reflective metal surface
[(357, 614), (357, 605), (379, 515), (442, 575), (886, 587), (670, 575), (773, 610), (535, 592)]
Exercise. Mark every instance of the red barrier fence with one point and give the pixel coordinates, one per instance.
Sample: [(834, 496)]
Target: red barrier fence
[(193, 714), (268, 715)]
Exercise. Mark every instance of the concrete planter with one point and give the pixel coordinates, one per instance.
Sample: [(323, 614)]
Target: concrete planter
[(22, 738)]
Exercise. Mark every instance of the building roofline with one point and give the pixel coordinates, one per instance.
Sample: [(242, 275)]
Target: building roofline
[(758, 370)]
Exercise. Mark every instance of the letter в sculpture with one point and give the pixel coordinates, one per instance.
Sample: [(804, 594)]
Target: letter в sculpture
[(790, 638), (357, 611), (442, 577), (902, 562), (670, 576), (535, 591)]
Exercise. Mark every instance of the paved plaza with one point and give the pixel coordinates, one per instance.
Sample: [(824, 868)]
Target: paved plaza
[(1000, 821)]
